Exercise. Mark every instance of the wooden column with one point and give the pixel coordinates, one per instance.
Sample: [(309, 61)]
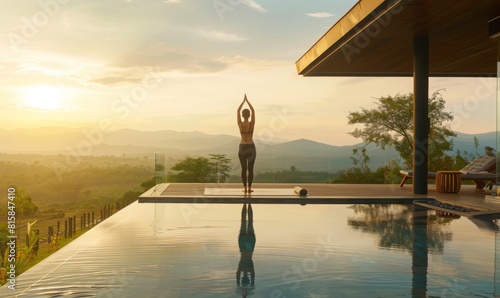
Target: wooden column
[(420, 113)]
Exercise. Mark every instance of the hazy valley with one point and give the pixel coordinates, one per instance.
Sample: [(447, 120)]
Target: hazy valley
[(302, 153)]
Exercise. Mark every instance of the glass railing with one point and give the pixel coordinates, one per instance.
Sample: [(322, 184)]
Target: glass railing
[(160, 174)]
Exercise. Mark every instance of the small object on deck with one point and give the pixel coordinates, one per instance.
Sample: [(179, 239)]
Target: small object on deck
[(300, 191), (448, 181)]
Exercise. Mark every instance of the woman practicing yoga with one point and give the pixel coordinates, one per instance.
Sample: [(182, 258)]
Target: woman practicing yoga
[(247, 152)]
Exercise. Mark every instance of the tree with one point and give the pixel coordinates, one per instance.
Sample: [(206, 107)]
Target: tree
[(24, 205), (489, 151), (221, 167), (146, 185), (356, 175), (361, 172), (192, 170), (391, 125), (202, 169), (360, 158)]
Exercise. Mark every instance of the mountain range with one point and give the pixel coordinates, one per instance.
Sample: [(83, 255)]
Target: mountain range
[(304, 154)]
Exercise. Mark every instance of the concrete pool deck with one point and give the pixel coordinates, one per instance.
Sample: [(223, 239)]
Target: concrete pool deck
[(271, 193)]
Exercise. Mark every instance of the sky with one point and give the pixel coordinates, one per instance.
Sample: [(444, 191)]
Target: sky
[(186, 65)]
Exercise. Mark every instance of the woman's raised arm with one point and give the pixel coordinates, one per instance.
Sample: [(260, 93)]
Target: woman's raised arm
[(238, 112), (251, 109)]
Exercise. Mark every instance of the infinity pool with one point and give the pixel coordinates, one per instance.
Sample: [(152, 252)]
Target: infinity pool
[(238, 250)]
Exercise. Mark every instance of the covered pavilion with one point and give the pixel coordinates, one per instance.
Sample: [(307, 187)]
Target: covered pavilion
[(404, 38)]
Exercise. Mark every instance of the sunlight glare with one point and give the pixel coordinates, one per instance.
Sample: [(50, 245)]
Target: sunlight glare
[(42, 97)]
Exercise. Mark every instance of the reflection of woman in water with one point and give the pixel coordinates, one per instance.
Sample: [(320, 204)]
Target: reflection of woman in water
[(246, 242), (247, 152)]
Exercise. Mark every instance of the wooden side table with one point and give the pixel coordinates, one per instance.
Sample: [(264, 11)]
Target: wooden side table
[(448, 181)]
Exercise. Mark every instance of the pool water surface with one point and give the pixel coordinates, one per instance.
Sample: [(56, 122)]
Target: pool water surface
[(266, 250)]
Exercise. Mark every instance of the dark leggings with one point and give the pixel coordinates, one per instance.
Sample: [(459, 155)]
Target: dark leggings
[(247, 155)]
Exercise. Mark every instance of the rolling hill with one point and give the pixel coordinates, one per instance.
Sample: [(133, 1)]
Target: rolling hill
[(304, 154)]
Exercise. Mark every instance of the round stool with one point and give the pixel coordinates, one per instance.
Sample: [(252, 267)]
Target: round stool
[(448, 181)]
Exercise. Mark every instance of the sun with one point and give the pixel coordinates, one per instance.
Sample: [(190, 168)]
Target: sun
[(42, 97)]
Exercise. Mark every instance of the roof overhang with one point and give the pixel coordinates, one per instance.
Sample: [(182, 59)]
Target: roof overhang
[(375, 38)]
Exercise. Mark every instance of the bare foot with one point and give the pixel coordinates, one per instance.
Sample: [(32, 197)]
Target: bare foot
[(249, 190)]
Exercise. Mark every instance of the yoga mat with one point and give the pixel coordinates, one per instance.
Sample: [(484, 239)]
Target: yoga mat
[(256, 192)]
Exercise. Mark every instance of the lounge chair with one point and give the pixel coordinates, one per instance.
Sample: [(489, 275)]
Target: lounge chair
[(480, 170)]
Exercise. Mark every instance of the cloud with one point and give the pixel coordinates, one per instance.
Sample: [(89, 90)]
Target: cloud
[(221, 36), (132, 68), (114, 79), (254, 5), (123, 68), (319, 14), (172, 1), (248, 62)]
